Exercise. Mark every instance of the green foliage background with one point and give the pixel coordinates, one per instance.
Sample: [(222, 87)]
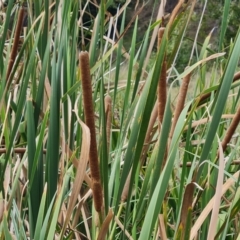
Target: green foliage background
[(172, 179)]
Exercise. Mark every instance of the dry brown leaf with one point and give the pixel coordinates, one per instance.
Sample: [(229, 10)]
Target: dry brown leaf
[(162, 227), (80, 169), (209, 207), (75, 163), (77, 236)]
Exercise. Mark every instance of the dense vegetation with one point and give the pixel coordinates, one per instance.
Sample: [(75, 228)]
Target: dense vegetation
[(97, 139)]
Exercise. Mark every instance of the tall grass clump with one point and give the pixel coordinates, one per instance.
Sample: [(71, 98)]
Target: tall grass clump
[(98, 141)]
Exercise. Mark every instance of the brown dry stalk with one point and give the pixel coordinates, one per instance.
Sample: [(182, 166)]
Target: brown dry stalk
[(160, 36), (208, 208), (180, 103), (149, 133), (108, 112), (16, 41), (105, 226), (162, 84), (89, 119), (122, 227), (205, 96), (231, 129), (189, 164)]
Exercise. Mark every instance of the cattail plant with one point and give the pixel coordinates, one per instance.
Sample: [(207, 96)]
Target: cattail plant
[(186, 211), (150, 132), (180, 103), (158, 111), (162, 88), (18, 30), (162, 85), (179, 107), (131, 196), (89, 119)]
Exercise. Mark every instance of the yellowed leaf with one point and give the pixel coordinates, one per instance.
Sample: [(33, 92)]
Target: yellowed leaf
[(81, 168), (209, 207)]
